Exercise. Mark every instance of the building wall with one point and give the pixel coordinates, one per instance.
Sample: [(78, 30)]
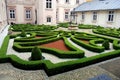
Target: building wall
[(102, 18), (3, 17), (40, 12), (20, 6), (62, 6)]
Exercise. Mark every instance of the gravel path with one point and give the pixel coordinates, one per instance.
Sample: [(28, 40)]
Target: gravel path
[(90, 53), (111, 68), (3, 33), (26, 55)]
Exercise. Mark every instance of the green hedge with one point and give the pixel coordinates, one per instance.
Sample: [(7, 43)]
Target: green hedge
[(106, 32), (96, 41), (73, 53), (65, 25), (4, 46), (49, 67), (33, 39), (32, 35), (88, 46), (30, 27), (87, 26), (65, 66), (36, 54), (116, 44)]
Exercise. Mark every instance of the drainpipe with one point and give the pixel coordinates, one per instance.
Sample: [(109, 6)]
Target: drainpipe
[(36, 16)]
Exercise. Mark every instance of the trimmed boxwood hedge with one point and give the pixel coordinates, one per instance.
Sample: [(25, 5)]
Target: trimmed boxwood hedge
[(32, 35), (4, 46), (107, 32), (33, 39), (74, 53), (96, 41), (116, 44), (36, 54), (88, 46), (49, 67)]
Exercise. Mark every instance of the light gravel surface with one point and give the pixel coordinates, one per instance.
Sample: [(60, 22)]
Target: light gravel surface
[(3, 33), (83, 74), (26, 55), (8, 72)]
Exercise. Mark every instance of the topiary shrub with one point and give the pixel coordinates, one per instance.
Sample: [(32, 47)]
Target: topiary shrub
[(23, 34), (106, 44), (36, 54)]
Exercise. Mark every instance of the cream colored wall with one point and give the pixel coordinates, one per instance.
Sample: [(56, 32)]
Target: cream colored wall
[(3, 17), (102, 19), (20, 6), (43, 12), (62, 6), (117, 19)]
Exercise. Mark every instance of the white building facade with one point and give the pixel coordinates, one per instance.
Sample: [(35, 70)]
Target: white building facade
[(49, 12), (3, 16), (99, 12)]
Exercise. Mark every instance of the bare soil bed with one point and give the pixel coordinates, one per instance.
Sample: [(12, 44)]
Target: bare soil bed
[(57, 45)]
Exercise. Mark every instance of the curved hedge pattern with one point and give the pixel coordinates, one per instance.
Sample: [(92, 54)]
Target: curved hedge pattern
[(47, 65), (88, 46)]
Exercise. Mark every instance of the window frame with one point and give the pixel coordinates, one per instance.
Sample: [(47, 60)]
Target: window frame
[(66, 16), (48, 4), (111, 15), (12, 14), (28, 14), (49, 19), (83, 16), (95, 16)]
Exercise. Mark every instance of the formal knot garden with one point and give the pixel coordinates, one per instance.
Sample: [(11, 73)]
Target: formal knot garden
[(32, 47)]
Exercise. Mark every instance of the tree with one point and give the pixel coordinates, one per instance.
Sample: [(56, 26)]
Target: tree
[(36, 54)]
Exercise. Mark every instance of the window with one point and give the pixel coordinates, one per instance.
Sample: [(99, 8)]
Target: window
[(110, 16), (83, 15), (66, 15), (77, 1), (66, 1), (28, 14), (12, 14), (48, 19), (48, 3), (72, 15), (94, 16)]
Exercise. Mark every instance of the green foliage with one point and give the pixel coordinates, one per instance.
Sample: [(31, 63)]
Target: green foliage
[(4, 46), (108, 32), (36, 54), (106, 44), (31, 27), (23, 34), (27, 47), (86, 26), (65, 25), (56, 68), (88, 46), (116, 44)]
